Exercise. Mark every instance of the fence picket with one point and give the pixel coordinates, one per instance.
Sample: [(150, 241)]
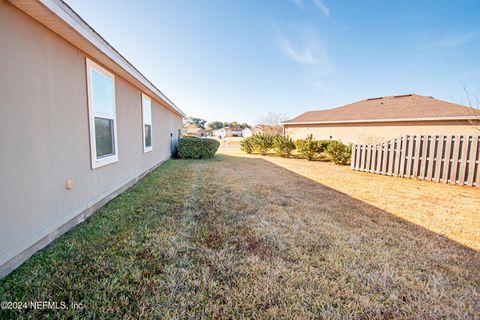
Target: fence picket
[(384, 157), (456, 150), (374, 159), (463, 160), (431, 157), (448, 160), (423, 159), (408, 172), (477, 180), (417, 156), (472, 161), (438, 158), (352, 159), (357, 162), (402, 156), (391, 160), (368, 158), (379, 159)]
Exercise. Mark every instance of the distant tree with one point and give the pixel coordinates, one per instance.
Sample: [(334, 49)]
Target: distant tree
[(225, 124), (233, 124), (273, 119), (473, 101), (214, 125), (196, 121), (244, 125)]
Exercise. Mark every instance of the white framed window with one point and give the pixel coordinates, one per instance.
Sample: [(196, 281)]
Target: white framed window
[(101, 115), (147, 123)]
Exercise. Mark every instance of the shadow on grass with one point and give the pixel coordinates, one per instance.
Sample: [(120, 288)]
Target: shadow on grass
[(337, 201), (379, 265)]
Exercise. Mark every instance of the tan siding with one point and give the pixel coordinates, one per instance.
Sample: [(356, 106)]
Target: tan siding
[(378, 132), (44, 134)]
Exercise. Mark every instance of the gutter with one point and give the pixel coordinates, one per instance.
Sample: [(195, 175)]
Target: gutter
[(384, 120)]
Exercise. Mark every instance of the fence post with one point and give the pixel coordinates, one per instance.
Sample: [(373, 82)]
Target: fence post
[(352, 159)]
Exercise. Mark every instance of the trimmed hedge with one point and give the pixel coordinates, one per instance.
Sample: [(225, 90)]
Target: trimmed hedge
[(197, 148), (262, 143)]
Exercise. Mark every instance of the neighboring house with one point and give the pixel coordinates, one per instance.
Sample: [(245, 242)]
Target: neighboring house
[(78, 125), (378, 119), (247, 132), (196, 131), (227, 132)]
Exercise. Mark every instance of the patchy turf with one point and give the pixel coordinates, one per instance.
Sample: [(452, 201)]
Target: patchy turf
[(239, 237)]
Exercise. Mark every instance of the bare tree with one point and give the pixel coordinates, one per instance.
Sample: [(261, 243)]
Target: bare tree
[(473, 101), (274, 119), (272, 122)]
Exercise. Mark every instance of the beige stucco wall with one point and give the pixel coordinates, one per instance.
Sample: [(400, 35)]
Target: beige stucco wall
[(378, 132), (44, 136)]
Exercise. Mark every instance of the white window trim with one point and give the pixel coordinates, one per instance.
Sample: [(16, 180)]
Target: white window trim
[(145, 148), (96, 163)]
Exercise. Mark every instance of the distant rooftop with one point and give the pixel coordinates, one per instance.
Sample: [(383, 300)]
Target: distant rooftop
[(390, 108)]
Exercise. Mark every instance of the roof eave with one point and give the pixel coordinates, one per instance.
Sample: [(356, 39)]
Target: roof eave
[(69, 17), (385, 120)]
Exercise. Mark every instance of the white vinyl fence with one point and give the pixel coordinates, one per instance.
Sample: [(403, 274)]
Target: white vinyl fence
[(446, 159)]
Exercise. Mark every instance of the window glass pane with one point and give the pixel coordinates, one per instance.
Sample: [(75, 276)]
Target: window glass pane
[(147, 111), (104, 137), (148, 135), (102, 95)]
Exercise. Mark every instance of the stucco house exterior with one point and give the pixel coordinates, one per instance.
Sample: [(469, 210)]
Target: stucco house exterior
[(247, 132), (227, 132), (78, 125), (378, 119)]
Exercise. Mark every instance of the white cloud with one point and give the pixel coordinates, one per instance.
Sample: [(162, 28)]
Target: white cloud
[(452, 41), (308, 50), (298, 3), (322, 7), (305, 54)]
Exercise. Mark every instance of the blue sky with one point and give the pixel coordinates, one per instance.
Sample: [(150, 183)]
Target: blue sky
[(238, 60)]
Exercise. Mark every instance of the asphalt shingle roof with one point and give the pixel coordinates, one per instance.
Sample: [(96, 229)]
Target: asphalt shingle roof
[(410, 106)]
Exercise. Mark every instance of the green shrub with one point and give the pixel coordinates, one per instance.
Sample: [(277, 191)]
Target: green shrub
[(197, 148), (247, 144), (322, 145), (306, 148), (339, 152), (262, 142), (283, 145)]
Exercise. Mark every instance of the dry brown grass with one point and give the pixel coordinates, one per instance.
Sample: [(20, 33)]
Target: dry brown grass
[(250, 237), (452, 211)]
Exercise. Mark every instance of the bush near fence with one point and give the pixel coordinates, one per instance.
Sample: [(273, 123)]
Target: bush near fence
[(309, 149), (197, 148)]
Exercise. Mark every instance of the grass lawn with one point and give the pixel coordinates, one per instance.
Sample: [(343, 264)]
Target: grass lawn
[(250, 237)]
